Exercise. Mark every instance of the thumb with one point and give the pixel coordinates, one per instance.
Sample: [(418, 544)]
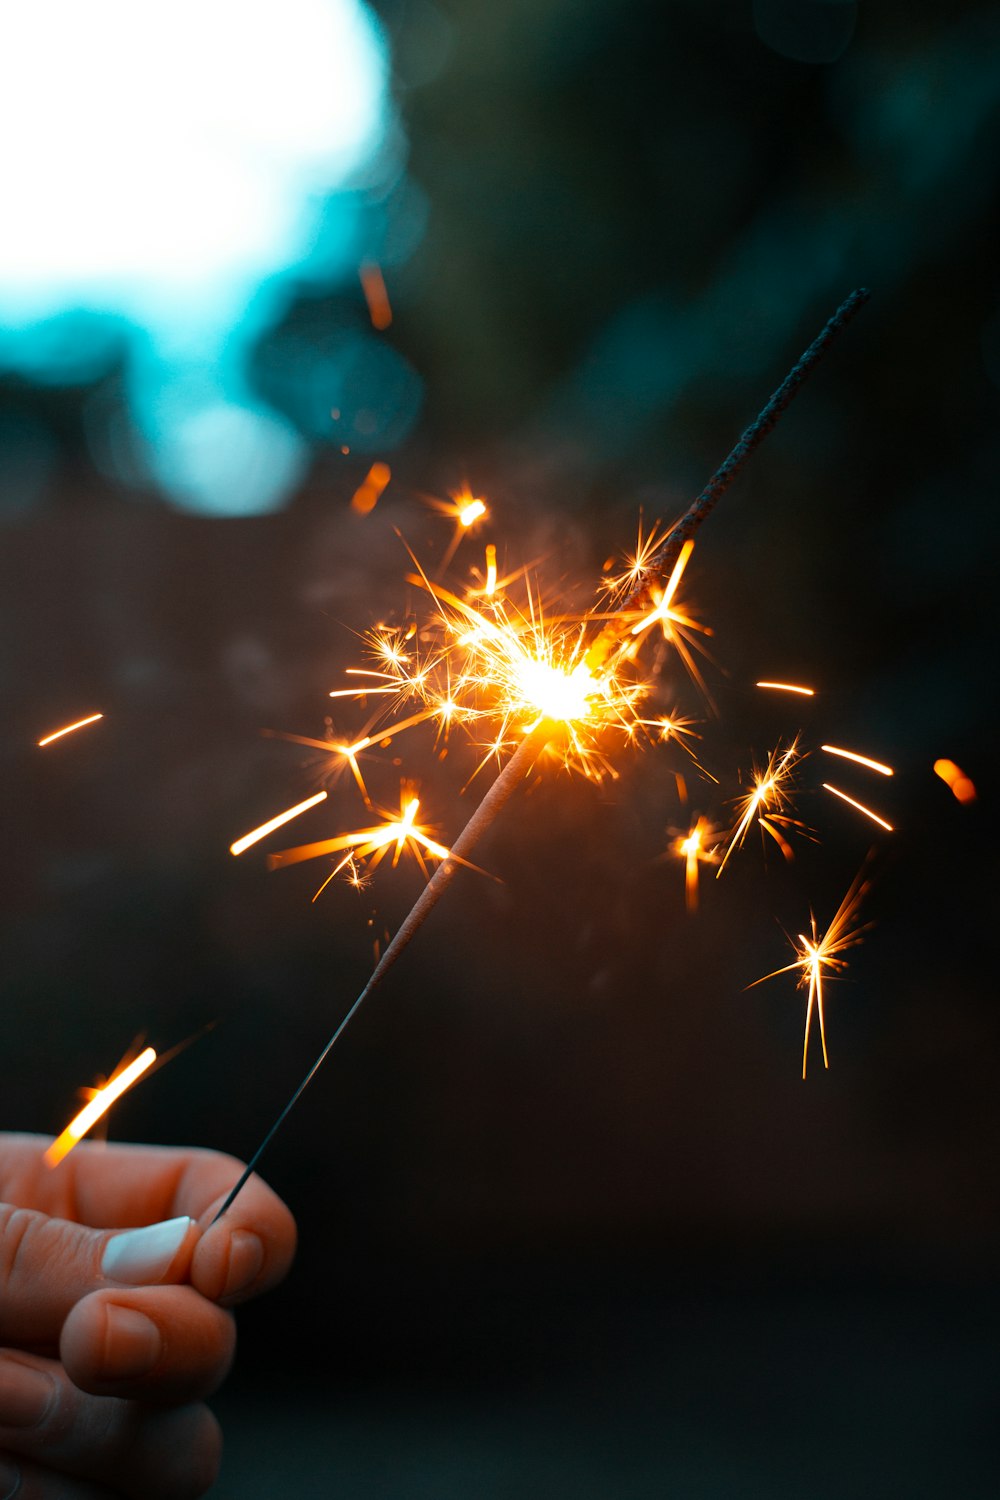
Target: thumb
[(47, 1265)]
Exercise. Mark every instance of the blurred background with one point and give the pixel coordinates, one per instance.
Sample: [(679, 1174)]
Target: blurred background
[(572, 1224)]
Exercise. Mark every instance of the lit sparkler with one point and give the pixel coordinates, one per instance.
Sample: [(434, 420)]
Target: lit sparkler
[(817, 956), (99, 1104), (540, 679)]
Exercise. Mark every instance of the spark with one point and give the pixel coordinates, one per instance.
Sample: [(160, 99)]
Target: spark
[(860, 806), (816, 954), (491, 570), (402, 833), (57, 734), (276, 822), (768, 802), (98, 1106), (366, 496), (694, 851), (955, 778), (789, 687), (676, 624), (474, 510), (376, 296), (862, 760), (464, 509)]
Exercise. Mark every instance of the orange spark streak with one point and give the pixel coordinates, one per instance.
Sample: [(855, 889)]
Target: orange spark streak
[(491, 569), (366, 496), (57, 734), (860, 807), (789, 687), (276, 822), (373, 286), (956, 780), (98, 1106), (862, 760)]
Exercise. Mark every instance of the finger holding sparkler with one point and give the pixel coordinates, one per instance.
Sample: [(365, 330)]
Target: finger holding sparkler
[(109, 1268)]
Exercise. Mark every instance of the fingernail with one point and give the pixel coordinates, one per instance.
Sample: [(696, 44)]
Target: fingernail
[(132, 1344), (144, 1256), (25, 1394), (246, 1257), (10, 1478)]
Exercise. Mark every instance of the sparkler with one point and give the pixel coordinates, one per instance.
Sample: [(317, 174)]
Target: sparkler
[(543, 682), (815, 955)]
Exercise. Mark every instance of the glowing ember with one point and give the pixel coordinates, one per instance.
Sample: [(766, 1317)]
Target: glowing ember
[(789, 687), (862, 760), (98, 1106), (694, 850), (57, 734), (373, 286), (859, 807), (955, 778), (366, 496), (276, 822)]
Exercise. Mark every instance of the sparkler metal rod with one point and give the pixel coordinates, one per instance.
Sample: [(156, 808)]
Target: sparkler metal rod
[(666, 554), (506, 782), (517, 767)]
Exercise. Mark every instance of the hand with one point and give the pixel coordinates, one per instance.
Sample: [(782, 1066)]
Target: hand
[(110, 1340)]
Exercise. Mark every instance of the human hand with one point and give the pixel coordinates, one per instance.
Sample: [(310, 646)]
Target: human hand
[(111, 1340)]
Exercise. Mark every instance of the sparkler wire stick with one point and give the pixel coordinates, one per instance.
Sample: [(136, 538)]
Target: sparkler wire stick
[(514, 771), (666, 554)]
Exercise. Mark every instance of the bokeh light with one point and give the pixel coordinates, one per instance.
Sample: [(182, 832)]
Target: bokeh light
[(176, 168)]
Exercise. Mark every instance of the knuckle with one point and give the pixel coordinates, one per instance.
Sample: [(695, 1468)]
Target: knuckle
[(16, 1225)]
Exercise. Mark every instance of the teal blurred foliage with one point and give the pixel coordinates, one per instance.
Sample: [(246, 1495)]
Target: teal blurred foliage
[(614, 228)]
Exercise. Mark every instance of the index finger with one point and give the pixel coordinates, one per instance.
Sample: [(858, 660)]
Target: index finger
[(126, 1186)]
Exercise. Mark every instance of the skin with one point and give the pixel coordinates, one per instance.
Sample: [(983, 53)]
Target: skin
[(110, 1428)]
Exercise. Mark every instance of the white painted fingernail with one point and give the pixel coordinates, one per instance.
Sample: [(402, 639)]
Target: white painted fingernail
[(143, 1256)]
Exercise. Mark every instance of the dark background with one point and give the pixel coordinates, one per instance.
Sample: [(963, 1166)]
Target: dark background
[(571, 1222)]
